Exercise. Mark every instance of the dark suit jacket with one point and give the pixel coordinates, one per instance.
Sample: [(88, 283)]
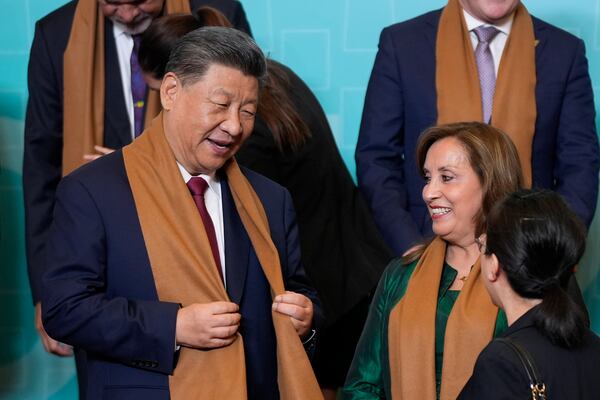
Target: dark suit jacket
[(342, 250), (99, 294), (568, 374), (401, 102), (42, 159)]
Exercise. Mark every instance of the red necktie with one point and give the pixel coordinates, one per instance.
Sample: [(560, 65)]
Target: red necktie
[(197, 188)]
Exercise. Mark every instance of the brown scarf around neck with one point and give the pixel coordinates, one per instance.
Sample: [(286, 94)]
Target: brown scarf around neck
[(457, 80), (185, 272), (84, 78), (411, 331)]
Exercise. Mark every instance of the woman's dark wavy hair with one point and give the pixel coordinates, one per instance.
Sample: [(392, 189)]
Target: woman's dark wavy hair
[(275, 107), (164, 32), (538, 241)]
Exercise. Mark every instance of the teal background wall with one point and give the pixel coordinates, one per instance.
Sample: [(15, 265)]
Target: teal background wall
[(330, 44)]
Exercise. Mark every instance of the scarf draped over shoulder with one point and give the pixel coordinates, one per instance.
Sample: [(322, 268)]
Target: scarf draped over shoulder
[(514, 109), (84, 80), (184, 271)]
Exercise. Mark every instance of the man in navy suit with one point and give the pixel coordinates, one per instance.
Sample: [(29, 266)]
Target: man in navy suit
[(401, 101), (43, 143), (101, 291)]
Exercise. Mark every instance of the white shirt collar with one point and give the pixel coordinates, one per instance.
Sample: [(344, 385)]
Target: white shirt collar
[(473, 23), (119, 29), (213, 182)]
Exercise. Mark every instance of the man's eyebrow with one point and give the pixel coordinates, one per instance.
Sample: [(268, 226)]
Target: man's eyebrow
[(221, 91), (122, 2)]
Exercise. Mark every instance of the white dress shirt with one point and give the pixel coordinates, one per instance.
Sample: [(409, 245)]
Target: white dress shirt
[(497, 44), (124, 43), (214, 206)]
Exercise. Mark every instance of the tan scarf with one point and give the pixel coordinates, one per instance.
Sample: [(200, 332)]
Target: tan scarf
[(83, 104), (411, 331), (457, 80), (185, 272)]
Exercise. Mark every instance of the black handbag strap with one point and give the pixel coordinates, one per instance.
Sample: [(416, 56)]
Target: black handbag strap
[(538, 388)]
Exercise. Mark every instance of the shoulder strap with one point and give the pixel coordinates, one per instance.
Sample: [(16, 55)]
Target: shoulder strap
[(538, 388)]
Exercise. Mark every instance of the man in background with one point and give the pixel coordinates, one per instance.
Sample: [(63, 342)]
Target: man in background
[(485, 60)]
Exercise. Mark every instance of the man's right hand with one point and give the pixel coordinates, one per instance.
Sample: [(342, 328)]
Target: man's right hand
[(207, 326), (52, 346)]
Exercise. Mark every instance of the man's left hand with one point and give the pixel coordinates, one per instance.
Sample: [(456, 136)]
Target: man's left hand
[(298, 307)]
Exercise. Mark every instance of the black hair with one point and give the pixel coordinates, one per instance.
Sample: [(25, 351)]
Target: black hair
[(158, 40), (538, 241), (275, 108), (164, 32), (195, 52)]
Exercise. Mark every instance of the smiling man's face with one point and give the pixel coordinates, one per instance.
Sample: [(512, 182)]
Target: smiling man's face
[(207, 121), (134, 15)]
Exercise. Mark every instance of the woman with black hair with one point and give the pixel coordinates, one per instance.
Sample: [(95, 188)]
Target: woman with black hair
[(533, 242)]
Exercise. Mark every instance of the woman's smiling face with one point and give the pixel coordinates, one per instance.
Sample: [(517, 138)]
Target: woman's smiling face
[(452, 191)]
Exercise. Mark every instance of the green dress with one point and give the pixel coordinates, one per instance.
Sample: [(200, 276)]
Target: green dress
[(369, 375)]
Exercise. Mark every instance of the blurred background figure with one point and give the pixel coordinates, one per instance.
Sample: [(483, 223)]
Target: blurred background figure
[(293, 145), (533, 242)]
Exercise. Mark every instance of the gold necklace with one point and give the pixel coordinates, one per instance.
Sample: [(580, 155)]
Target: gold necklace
[(464, 278)]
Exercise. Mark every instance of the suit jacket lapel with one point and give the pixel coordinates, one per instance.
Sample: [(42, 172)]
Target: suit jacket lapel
[(237, 245)]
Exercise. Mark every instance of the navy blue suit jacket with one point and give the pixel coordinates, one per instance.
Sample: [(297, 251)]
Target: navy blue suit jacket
[(401, 102), (568, 373), (42, 159), (99, 294)]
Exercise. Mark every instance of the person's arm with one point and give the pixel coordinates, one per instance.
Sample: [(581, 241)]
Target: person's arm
[(296, 281), (76, 308), (577, 153), (380, 151), (498, 375), (42, 157), (42, 160), (232, 9), (239, 20), (365, 379)]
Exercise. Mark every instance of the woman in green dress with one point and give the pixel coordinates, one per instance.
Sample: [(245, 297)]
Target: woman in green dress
[(431, 314)]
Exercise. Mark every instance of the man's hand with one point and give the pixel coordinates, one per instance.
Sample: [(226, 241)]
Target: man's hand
[(100, 151), (52, 346), (207, 326), (298, 307)]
